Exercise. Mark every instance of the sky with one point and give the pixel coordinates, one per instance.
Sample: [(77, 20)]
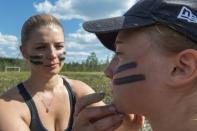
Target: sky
[(71, 13)]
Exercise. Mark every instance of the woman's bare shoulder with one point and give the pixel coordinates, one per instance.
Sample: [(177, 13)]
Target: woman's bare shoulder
[(10, 98), (79, 88), (12, 111)]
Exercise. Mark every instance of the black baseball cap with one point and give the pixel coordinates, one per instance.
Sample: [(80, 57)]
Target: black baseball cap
[(180, 15)]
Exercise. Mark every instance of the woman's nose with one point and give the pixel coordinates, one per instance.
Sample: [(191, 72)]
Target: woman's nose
[(52, 53), (109, 72)]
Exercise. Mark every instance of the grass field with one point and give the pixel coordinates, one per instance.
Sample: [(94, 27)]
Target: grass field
[(96, 80)]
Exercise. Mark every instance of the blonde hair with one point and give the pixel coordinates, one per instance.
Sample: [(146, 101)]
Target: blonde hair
[(171, 40), (35, 22)]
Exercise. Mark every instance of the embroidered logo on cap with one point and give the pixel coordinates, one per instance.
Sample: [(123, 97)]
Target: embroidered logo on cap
[(186, 14)]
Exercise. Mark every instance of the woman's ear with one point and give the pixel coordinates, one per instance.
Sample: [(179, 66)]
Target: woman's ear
[(185, 68), (23, 52)]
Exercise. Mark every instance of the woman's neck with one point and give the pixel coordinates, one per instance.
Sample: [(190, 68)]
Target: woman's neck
[(178, 117), (42, 83)]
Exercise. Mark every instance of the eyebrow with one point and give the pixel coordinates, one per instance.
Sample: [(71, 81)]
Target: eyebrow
[(59, 43), (45, 43), (40, 43)]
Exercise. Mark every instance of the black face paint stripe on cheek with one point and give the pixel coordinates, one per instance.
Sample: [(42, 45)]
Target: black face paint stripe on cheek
[(36, 59), (128, 79), (36, 62), (126, 67), (62, 56)]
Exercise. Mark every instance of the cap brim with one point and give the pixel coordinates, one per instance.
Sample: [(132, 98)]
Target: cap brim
[(107, 29)]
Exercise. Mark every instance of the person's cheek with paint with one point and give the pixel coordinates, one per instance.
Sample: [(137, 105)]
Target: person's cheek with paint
[(126, 80), (38, 59)]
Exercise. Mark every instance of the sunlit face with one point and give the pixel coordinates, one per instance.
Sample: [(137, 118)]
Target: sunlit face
[(136, 72), (45, 49)]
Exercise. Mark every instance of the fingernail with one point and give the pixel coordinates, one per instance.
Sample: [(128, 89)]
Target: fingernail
[(112, 109), (102, 94)]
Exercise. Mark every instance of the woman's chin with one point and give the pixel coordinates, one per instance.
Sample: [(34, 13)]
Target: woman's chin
[(121, 107), (50, 73), (118, 107)]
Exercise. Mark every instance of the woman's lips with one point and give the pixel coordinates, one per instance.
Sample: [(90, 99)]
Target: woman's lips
[(52, 65)]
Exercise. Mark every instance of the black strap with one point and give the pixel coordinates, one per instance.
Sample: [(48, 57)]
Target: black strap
[(72, 100), (35, 121), (35, 124)]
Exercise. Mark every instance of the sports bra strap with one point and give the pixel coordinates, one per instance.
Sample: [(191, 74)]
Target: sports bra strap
[(72, 100)]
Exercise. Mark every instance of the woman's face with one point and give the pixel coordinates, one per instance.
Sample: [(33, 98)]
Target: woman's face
[(138, 72), (45, 49)]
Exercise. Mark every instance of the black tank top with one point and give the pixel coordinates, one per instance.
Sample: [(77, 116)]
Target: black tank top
[(36, 124)]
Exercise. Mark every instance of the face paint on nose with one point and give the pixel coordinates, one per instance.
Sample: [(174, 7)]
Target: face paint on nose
[(36, 59), (62, 56), (130, 78)]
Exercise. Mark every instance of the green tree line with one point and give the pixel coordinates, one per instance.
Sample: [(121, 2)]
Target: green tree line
[(91, 64)]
